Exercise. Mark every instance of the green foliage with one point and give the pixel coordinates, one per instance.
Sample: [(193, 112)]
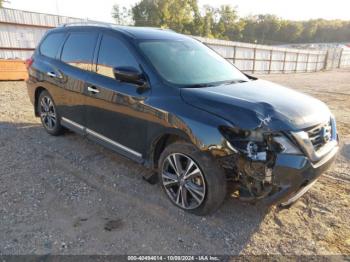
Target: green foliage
[(184, 16), (178, 15), (121, 15)]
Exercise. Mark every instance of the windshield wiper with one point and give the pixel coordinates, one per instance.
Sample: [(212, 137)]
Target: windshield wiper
[(235, 81), (227, 82), (201, 85)]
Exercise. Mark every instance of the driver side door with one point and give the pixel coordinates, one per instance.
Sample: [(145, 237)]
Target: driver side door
[(115, 113)]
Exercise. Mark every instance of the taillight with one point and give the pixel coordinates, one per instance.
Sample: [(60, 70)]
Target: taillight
[(29, 62)]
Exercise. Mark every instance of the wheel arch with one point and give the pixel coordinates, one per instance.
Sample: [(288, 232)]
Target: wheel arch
[(202, 133), (37, 93), (161, 142)]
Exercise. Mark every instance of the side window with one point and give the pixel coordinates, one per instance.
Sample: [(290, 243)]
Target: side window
[(79, 49), (113, 53), (49, 47)]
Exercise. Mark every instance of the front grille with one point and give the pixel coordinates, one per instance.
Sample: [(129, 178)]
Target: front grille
[(320, 135)]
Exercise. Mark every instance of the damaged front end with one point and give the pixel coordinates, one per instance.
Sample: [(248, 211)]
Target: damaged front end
[(280, 141), (253, 160), (270, 165)]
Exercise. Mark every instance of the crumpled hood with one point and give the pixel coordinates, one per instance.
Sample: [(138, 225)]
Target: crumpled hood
[(255, 103)]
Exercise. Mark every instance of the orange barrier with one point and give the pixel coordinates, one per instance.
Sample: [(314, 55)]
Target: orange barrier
[(12, 70)]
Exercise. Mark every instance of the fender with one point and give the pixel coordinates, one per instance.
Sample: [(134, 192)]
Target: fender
[(202, 130)]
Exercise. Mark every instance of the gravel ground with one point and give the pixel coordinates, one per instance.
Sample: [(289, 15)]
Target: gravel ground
[(67, 195)]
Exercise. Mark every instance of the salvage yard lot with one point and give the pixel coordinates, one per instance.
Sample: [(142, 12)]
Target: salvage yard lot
[(67, 195)]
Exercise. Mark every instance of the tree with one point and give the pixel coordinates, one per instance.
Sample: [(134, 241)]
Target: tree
[(174, 14), (249, 33), (146, 13), (290, 31), (184, 16), (208, 22), (309, 31), (227, 26), (2, 2), (122, 15), (267, 29)]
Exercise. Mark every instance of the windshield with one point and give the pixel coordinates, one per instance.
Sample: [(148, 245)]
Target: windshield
[(190, 63)]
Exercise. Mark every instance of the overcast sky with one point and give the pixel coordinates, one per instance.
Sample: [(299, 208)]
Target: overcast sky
[(101, 10)]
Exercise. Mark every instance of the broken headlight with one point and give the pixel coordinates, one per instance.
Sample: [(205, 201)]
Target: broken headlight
[(255, 143), (286, 146), (251, 143)]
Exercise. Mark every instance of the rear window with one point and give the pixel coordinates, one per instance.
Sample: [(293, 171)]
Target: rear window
[(79, 49), (49, 47)]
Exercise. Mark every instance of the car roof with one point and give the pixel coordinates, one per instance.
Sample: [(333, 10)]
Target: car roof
[(141, 33)]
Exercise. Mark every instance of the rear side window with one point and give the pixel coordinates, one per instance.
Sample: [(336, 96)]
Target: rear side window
[(79, 49), (113, 53), (49, 47)]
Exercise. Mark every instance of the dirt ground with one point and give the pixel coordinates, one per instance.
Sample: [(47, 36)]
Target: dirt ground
[(67, 195)]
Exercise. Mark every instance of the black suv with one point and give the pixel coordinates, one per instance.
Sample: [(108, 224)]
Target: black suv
[(170, 103)]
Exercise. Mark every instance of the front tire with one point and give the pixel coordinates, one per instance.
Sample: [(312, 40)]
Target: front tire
[(191, 179), (48, 114)]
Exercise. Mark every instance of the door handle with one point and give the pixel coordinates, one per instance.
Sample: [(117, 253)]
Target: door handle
[(52, 74), (93, 89)]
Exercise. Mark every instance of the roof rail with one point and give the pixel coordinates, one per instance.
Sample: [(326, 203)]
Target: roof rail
[(107, 25), (88, 23)]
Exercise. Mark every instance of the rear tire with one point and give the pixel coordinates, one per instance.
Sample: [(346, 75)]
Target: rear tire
[(192, 180), (46, 109)]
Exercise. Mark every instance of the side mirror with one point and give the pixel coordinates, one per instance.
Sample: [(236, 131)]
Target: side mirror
[(129, 75)]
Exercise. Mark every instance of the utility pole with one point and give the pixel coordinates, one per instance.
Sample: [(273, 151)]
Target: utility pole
[(57, 12)]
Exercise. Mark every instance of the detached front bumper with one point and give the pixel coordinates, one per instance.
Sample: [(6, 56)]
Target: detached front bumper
[(294, 175)]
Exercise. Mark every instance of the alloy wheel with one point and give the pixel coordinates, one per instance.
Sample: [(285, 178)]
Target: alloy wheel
[(48, 113), (183, 181)]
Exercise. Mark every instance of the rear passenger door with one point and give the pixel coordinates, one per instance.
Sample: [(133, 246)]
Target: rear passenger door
[(74, 69), (46, 65), (115, 110)]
